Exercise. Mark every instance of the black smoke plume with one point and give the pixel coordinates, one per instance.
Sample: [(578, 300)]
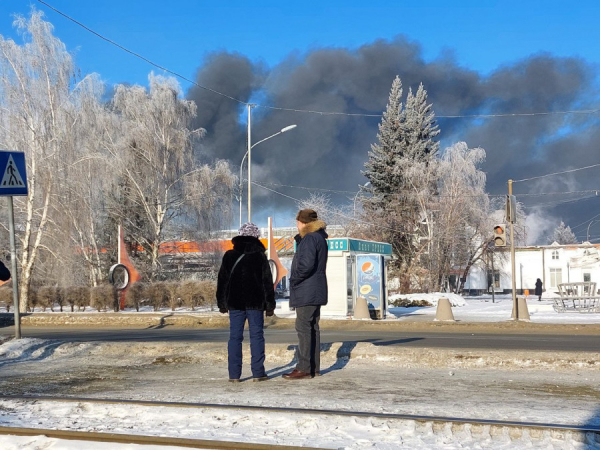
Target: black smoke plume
[(328, 151)]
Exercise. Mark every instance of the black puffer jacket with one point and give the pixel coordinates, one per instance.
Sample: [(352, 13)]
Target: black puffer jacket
[(250, 286), (4, 272), (308, 282)]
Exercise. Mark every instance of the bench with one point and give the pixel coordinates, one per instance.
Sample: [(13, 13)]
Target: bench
[(577, 297)]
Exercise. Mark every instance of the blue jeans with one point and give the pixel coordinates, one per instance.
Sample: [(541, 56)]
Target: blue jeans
[(256, 321)]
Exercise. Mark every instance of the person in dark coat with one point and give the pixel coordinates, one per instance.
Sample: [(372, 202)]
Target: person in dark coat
[(308, 291), (4, 272), (245, 289), (538, 289)]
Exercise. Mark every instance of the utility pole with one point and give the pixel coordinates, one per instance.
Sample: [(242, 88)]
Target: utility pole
[(512, 255), (493, 279), (249, 164), (13, 267)]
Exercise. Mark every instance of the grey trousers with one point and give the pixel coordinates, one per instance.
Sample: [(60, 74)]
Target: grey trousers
[(309, 339)]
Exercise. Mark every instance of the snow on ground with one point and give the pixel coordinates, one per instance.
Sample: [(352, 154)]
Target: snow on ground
[(43, 442), (465, 309), (504, 385), (484, 309)]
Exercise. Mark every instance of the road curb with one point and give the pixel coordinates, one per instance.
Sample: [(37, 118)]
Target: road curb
[(216, 320)]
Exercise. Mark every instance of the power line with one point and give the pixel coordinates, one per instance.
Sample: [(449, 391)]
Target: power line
[(311, 188), (587, 191), (137, 55), (559, 202), (334, 213), (307, 111), (585, 221), (538, 194), (556, 173), (455, 116)]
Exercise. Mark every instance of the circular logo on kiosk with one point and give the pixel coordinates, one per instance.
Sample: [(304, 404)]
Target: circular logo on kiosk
[(368, 267), (365, 289)]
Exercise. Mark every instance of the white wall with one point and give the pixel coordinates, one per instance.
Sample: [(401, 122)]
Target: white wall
[(337, 285), (532, 263)]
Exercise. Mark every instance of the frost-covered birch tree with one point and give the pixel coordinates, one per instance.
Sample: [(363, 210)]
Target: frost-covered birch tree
[(332, 214), (159, 174), (37, 92), (88, 178), (463, 220)]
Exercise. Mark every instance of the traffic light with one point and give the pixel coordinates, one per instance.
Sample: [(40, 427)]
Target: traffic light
[(499, 236)]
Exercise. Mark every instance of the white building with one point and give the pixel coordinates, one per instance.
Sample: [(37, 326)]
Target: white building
[(553, 264)]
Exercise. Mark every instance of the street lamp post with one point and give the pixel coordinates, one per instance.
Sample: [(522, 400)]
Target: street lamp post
[(356, 196), (248, 154), (588, 229)]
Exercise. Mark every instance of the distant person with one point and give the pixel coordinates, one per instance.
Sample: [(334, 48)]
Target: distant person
[(4, 272), (538, 289), (308, 291), (245, 290)]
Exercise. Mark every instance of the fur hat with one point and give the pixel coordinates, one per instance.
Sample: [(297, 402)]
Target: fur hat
[(249, 229), (307, 215)]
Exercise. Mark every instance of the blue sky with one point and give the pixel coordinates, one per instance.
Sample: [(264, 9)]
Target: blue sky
[(496, 56), (479, 35)]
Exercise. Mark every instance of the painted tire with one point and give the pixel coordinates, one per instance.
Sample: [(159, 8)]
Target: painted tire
[(273, 270), (118, 276)]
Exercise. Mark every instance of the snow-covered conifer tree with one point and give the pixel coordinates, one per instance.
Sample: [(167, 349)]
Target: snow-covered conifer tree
[(401, 171), (563, 235)]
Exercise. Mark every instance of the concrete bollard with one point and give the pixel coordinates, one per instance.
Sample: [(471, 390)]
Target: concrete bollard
[(361, 309), (444, 310), (522, 308)]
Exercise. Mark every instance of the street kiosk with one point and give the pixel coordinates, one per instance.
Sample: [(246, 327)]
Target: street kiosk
[(356, 268)]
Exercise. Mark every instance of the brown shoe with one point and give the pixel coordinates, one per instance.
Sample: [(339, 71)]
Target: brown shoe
[(265, 378), (296, 375)]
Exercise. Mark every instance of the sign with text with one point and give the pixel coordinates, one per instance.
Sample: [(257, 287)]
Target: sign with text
[(13, 173)]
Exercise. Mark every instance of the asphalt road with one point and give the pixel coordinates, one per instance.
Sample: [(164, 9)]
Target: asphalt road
[(580, 343)]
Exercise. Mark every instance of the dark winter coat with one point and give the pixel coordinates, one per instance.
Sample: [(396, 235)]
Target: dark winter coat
[(250, 286), (538, 287), (4, 272), (308, 282)]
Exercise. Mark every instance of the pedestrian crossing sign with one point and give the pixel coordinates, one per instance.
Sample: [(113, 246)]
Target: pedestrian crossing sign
[(13, 173)]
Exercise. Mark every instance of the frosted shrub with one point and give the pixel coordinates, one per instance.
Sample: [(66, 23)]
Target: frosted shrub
[(208, 290), (406, 303), (77, 296), (104, 297), (174, 297), (46, 296), (60, 298), (158, 294), (134, 295), (6, 298), (32, 300), (190, 293)]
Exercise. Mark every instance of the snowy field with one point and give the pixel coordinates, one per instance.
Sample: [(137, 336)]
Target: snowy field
[(473, 309), (503, 385), (465, 309), (540, 387), (484, 309)]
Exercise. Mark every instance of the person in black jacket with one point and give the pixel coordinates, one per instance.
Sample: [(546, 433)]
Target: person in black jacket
[(245, 289), (4, 272), (308, 291), (538, 289)]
